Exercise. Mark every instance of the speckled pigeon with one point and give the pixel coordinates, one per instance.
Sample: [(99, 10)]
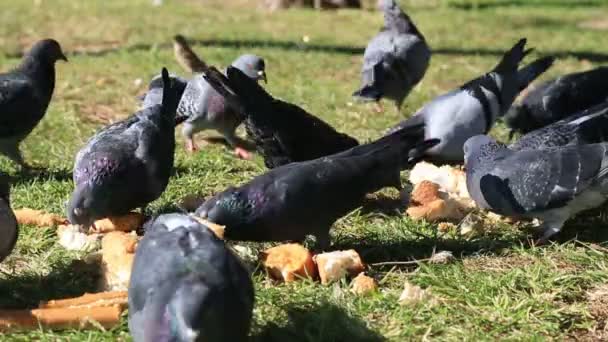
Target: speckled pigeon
[(127, 164), (551, 184), (395, 60), (587, 127), (474, 107), (282, 132), (9, 229), (559, 98), (306, 198), (186, 285), (25, 93), (201, 107)]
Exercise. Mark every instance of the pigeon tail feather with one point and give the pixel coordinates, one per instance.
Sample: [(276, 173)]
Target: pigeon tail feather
[(170, 96), (530, 72), (513, 57)]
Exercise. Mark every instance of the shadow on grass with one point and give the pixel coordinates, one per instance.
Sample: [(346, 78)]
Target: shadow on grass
[(348, 50), (65, 280), (42, 175), (322, 322), (523, 3), (422, 248)]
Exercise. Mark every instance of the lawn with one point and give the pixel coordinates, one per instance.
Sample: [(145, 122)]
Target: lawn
[(499, 287)]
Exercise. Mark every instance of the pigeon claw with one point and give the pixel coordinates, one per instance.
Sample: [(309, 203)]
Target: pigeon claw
[(191, 146), (378, 107), (242, 153)]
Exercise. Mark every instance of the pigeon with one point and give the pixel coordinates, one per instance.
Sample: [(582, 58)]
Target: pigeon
[(587, 127), (25, 93), (395, 60), (551, 184), (154, 95), (9, 229), (186, 285), (207, 109), (556, 99), (306, 198), (473, 108), (185, 56), (282, 132), (127, 164)]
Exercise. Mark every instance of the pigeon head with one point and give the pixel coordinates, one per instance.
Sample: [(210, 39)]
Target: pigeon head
[(48, 51), (518, 118), (480, 148), (80, 207), (229, 208), (253, 66)]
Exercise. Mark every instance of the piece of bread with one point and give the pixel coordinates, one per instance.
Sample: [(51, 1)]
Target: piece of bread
[(117, 254), (335, 265), (289, 262), (363, 284), (126, 223), (38, 218), (72, 239)]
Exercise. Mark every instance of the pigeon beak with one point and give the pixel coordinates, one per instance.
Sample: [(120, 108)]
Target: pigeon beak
[(262, 76), (63, 58)]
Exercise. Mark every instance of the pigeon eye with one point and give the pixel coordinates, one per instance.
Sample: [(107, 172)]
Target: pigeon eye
[(77, 211)]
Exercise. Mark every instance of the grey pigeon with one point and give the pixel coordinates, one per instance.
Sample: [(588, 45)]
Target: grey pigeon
[(306, 198), (587, 127), (154, 94), (282, 132), (473, 108), (186, 285), (559, 98), (207, 109), (127, 164), (395, 60), (201, 107), (9, 229), (25, 93), (551, 184)]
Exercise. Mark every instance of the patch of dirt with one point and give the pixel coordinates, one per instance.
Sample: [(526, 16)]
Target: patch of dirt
[(99, 113), (600, 24), (597, 299), (497, 263)]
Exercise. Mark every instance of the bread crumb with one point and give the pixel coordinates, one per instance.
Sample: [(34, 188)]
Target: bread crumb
[(363, 284), (289, 262), (335, 265), (118, 252)]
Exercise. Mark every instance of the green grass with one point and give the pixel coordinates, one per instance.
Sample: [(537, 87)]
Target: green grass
[(498, 288)]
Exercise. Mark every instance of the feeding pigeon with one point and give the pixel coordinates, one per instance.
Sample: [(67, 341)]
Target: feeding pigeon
[(297, 199), (395, 60), (587, 127), (556, 99), (25, 93), (127, 164), (474, 107), (551, 184), (282, 132), (9, 229), (186, 285)]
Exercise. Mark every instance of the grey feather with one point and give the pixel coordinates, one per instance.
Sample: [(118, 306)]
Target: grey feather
[(186, 285), (471, 109), (586, 127), (9, 229), (25, 94), (552, 184), (395, 60), (556, 99), (127, 164)]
